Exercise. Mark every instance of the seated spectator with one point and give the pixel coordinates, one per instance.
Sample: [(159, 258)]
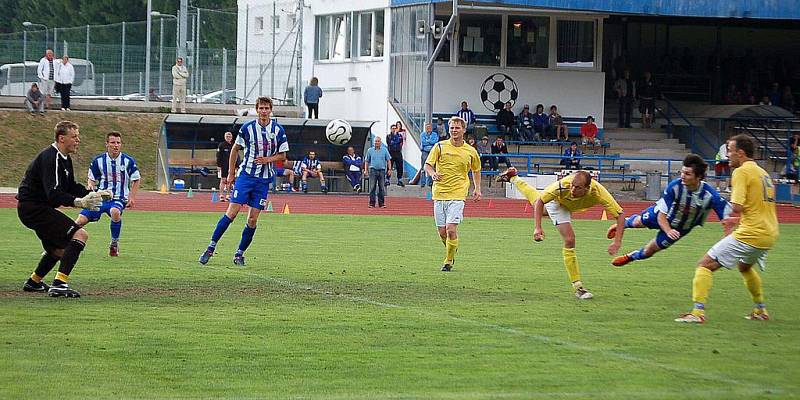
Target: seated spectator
[(471, 141), (499, 147), (541, 122), (282, 170), (505, 120), (352, 167), (787, 99), (485, 148), (441, 129), (34, 100), (467, 115), (312, 167), (732, 95), (557, 124), (765, 101), (572, 156), (525, 125), (774, 94), (793, 167), (297, 170), (589, 133), (153, 96)]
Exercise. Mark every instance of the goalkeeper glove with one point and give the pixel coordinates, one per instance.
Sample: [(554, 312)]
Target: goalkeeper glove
[(91, 201), (106, 195)]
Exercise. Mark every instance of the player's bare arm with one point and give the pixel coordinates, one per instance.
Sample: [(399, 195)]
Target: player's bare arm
[(476, 180), (232, 162), (132, 195), (613, 248), (271, 159), (538, 210), (664, 225)]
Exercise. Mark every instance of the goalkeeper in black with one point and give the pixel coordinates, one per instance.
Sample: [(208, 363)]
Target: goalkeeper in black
[(49, 183)]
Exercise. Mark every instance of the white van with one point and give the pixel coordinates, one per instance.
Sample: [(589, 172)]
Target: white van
[(16, 78)]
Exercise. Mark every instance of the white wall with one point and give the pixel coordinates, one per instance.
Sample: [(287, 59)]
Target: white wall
[(577, 93)]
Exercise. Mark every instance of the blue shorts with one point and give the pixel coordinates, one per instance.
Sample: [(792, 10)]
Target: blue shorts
[(251, 190), (650, 220), (105, 208)]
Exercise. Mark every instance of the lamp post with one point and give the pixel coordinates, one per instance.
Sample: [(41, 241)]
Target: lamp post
[(147, 56), (161, 45), (29, 24)]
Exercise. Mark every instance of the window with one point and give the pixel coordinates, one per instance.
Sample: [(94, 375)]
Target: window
[(276, 23), (341, 37), (479, 39), (365, 34), (528, 41), (259, 22), (379, 33), (444, 55), (323, 37), (291, 21), (575, 47)]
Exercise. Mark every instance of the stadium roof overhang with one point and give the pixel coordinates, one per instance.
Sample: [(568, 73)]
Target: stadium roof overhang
[(785, 10), (747, 112)]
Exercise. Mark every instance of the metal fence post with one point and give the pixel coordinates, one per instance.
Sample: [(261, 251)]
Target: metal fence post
[(261, 80), (141, 90), (160, 53), (122, 64), (246, 54), (201, 83), (103, 90), (224, 75), (55, 40), (87, 52), (24, 56), (274, 32)]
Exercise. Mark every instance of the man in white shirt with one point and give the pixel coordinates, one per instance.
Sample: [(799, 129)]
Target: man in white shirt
[(65, 75), (179, 75), (46, 73)]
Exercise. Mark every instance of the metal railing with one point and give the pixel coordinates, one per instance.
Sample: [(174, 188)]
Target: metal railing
[(695, 131)]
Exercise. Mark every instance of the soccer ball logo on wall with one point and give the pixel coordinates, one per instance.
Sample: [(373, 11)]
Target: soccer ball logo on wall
[(497, 90)]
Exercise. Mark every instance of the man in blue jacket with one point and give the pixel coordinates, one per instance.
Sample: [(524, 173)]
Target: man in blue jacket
[(429, 138), (352, 166)]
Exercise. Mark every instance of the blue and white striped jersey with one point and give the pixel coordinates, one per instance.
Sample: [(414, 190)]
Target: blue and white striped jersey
[(467, 115), (311, 164), (114, 174), (261, 141), (686, 209)]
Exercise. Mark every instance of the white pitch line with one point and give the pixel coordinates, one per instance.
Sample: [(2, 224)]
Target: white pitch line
[(497, 327)]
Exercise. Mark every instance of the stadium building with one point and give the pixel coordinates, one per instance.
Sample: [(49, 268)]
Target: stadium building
[(370, 56)]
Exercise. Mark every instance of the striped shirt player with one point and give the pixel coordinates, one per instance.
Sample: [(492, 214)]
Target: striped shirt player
[(263, 142), (117, 172), (310, 166), (685, 204), (466, 114)]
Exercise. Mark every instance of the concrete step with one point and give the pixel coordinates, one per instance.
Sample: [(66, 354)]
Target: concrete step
[(649, 134)]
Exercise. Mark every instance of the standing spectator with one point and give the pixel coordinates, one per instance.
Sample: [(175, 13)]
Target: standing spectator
[(65, 75), (179, 76), (311, 166), (525, 125), (429, 138), (441, 129), (499, 147), (505, 120), (311, 95), (787, 99), (557, 124), (775, 94), (467, 115), (47, 76), (625, 88), (378, 166), (541, 122), (722, 168), (394, 140), (485, 148), (352, 166), (223, 156), (589, 133), (34, 100), (572, 157), (449, 164), (647, 99)]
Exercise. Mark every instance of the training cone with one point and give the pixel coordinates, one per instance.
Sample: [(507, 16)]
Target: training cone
[(269, 207), (163, 189), (491, 204), (214, 195), (604, 217), (190, 194), (286, 209)]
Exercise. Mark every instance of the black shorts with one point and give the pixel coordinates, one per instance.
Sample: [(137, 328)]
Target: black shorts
[(54, 228)]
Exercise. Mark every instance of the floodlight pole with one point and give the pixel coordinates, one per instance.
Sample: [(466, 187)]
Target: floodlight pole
[(147, 52), (435, 53)]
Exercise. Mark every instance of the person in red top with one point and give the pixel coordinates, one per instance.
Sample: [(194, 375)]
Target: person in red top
[(589, 133)]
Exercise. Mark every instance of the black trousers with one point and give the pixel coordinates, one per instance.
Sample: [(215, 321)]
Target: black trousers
[(65, 92), (397, 162), (313, 110)]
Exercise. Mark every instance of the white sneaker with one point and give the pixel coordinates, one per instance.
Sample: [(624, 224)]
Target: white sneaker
[(63, 109), (583, 294), (68, 109), (690, 318)]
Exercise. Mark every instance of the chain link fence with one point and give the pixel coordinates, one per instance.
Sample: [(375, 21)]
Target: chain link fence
[(232, 56)]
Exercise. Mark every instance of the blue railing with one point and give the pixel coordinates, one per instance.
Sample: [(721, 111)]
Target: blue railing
[(695, 131)]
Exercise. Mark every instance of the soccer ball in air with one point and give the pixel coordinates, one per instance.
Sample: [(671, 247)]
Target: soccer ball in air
[(497, 90), (338, 131)]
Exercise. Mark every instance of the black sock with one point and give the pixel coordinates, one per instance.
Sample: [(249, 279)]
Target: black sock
[(46, 264), (71, 254)]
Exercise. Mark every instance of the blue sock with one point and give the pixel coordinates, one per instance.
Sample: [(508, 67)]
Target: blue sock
[(116, 227), (222, 226), (639, 254), (629, 220), (247, 238)]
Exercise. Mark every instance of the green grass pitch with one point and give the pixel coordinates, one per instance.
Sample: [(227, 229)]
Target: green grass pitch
[(354, 307)]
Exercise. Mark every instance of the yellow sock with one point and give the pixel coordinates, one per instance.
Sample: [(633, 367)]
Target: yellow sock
[(527, 190), (36, 278), (752, 280), (701, 286), (452, 248), (571, 264), (63, 278)]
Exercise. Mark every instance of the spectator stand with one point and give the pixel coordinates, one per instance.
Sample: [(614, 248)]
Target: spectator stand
[(188, 143), (487, 124)]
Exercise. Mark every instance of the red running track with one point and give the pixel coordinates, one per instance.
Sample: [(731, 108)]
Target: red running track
[(357, 205)]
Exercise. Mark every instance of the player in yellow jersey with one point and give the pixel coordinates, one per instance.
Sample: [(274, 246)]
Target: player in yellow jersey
[(573, 193), (449, 164), (753, 199)]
